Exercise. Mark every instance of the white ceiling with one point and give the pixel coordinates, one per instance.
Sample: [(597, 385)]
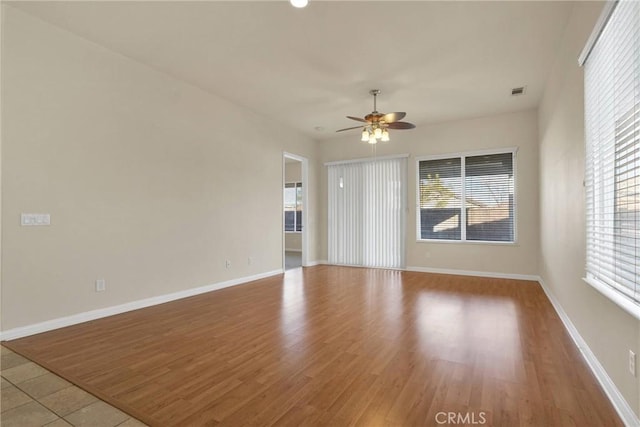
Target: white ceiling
[(308, 68)]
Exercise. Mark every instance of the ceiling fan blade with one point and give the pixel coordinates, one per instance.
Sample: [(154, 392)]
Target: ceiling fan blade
[(401, 125), (393, 117), (358, 119), (355, 127)]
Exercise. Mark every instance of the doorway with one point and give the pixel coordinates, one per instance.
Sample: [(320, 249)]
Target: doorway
[(294, 240)]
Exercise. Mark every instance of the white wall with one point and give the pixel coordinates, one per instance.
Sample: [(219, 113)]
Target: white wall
[(607, 329), (151, 183), (293, 173), (502, 131)]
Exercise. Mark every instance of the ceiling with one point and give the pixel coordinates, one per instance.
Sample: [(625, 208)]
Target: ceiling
[(308, 68)]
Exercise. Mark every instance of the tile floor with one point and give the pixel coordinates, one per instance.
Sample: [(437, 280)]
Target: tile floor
[(32, 396)]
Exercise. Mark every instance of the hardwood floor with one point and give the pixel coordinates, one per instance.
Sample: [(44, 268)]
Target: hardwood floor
[(336, 346)]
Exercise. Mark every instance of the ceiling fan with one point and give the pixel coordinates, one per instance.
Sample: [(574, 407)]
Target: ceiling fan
[(377, 124)]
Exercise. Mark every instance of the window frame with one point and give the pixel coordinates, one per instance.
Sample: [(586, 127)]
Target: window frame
[(463, 216), (614, 291), (296, 185)]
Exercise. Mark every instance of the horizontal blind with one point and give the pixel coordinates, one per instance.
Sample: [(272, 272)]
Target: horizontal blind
[(467, 198), (440, 188), (489, 197), (612, 126)]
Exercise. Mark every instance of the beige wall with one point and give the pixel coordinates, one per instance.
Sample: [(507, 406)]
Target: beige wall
[(293, 241), (502, 131), (147, 187), (293, 173), (607, 329), (151, 183)]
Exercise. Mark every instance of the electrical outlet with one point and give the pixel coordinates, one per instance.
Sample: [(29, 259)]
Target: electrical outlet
[(228, 264), (249, 261), (632, 363), (101, 285)]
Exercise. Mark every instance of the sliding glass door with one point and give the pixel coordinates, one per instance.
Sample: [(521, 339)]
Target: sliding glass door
[(367, 212)]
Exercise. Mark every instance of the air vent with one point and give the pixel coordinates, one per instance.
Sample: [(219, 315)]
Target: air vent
[(517, 91)]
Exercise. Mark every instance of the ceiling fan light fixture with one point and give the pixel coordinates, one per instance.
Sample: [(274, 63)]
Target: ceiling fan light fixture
[(299, 3), (375, 125)]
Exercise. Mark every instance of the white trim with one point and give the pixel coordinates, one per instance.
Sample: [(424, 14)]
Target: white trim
[(61, 322), (487, 152), (468, 242), (366, 266), (463, 196), (628, 416), (597, 30), (495, 275), (615, 296), (367, 159), (316, 262), (292, 250)]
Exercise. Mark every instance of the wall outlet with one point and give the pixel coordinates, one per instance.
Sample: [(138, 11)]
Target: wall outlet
[(228, 264), (632, 363), (101, 285), (249, 261)]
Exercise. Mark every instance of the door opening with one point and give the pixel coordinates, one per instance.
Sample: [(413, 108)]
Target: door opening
[(294, 212)]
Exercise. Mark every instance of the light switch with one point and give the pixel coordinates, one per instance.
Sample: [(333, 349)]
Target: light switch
[(30, 219)]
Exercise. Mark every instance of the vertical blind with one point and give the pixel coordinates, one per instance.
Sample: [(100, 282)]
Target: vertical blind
[(482, 184), (612, 126), (367, 211)]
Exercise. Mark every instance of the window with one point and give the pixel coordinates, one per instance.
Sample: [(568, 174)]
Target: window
[(293, 207), (612, 125), (482, 183)]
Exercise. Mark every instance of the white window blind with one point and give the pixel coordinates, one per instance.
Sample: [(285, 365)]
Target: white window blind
[(367, 211), (612, 126), (483, 184)]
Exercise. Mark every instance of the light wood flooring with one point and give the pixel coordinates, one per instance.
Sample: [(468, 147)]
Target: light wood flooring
[(334, 346)]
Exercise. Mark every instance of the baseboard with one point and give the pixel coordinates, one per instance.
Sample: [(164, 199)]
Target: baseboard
[(474, 273), (292, 250), (628, 416), (316, 262), (61, 322)]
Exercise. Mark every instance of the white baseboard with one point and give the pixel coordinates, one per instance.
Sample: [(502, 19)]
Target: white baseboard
[(292, 250), (628, 416), (474, 273), (316, 262), (61, 322)]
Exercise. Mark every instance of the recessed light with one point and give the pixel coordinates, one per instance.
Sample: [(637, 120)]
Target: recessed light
[(299, 3), (518, 91)]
